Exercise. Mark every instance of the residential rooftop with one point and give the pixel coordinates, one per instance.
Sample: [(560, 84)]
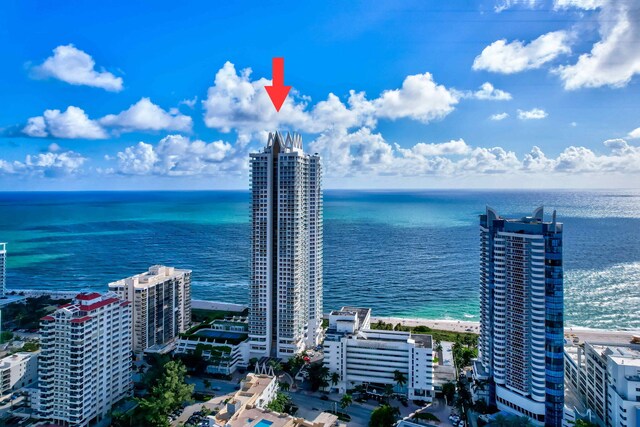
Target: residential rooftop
[(155, 275)]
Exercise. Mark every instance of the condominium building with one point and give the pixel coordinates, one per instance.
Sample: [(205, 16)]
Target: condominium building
[(3, 269), (521, 315), (161, 300), (285, 311), (18, 371), (606, 378), (360, 355), (85, 360)]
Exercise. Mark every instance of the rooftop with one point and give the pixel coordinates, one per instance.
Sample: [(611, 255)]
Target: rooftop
[(155, 275)]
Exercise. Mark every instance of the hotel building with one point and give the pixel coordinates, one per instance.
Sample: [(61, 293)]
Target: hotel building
[(361, 355), (606, 378), (161, 300), (521, 315), (85, 360), (285, 310)]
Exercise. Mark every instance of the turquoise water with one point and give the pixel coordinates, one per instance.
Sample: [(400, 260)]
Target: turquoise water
[(402, 253)]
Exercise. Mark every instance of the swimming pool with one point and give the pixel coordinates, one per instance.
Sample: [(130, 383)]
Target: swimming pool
[(263, 423)]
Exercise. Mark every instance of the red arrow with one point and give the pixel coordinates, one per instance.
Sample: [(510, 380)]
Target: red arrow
[(278, 91)]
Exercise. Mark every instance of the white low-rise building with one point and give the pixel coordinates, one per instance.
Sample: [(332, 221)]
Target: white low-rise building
[(376, 358), (606, 378), (18, 371), (223, 344)]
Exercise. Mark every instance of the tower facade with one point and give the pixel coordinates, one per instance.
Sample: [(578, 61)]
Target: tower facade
[(285, 311), (521, 314), (3, 269), (161, 305), (85, 362)]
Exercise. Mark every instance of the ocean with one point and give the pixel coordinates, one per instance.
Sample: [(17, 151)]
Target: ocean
[(402, 253)]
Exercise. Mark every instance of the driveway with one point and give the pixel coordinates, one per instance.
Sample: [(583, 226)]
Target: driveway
[(310, 406)]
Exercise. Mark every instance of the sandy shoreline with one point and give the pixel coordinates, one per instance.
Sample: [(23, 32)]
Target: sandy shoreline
[(583, 334)]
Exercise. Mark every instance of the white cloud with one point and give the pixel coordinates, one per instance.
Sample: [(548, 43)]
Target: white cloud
[(366, 153), (235, 101), (516, 56), (579, 4), (76, 67), (49, 165), (177, 155), (72, 123), (191, 103), (489, 93), (503, 5), (499, 116), (634, 133), (147, 116), (533, 114), (420, 98), (613, 60)]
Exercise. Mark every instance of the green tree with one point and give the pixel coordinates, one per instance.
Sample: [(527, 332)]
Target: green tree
[(346, 401), (168, 393), (399, 378), (585, 423), (279, 403), (335, 378), (277, 367), (388, 392), (384, 416), (318, 376), (449, 391), (284, 386)]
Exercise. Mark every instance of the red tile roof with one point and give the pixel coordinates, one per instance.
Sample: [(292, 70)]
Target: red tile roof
[(87, 297), (81, 319), (97, 305), (48, 318)]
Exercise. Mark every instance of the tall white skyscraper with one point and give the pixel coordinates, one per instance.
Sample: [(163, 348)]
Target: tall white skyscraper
[(285, 313), (521, 314), (3, 269), (85, 362), (161, 300)]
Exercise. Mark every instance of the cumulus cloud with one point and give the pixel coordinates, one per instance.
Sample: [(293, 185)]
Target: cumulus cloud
[(144, 115), (499, 116), (420, 98), (516, 56), (76, 67), (236, 102), (72, 123), (615, 58), (634, 133), (48, 165), (533, 114), (489, 93), (364, 152), (177, 155)]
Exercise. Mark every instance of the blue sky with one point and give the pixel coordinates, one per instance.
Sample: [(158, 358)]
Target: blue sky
[(398, 94)]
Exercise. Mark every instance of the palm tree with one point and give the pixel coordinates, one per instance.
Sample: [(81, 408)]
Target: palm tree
[(388, 392), (335, 379), (345, 401), (399, 378)]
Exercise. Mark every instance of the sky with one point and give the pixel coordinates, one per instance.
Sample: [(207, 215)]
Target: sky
[(392, 94)]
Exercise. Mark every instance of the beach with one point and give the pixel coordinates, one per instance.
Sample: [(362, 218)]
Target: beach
[(618, 336)]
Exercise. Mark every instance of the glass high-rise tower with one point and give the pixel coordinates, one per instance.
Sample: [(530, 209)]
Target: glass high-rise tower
[(285, 311), (521, 314)]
